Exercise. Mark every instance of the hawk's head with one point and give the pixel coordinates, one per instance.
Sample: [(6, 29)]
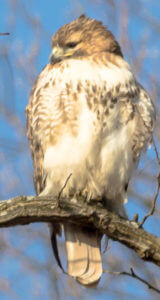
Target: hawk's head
[(82, 37)]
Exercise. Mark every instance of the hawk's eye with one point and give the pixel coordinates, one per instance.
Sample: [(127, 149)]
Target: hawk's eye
[(71, 44)]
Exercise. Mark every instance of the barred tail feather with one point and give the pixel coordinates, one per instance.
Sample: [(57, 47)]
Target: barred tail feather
[(83, 254)]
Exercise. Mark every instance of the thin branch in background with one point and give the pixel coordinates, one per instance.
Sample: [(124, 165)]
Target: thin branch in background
[(134, 275), (156, 151), (153, 203), (152, 210), (5, 33), (140, 172)]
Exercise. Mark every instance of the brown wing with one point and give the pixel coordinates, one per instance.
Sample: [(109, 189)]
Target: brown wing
[(38, 156), (36, 149), (145, 119)]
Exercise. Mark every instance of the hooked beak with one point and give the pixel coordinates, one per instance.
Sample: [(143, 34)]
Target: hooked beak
[(56, 55)]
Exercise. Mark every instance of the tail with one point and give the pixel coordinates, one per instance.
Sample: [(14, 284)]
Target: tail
[(83, 254)]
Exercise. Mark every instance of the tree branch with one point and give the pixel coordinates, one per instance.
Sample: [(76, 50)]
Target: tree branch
[(152, 210), (28, 209), (134, 275), (4, 33)]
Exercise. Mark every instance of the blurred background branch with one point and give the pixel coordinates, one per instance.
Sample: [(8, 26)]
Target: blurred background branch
[(5, 33)]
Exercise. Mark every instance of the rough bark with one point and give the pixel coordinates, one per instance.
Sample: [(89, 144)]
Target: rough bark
[(28, 209)]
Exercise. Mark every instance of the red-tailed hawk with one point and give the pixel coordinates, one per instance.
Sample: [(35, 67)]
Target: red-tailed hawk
[(87, 119)]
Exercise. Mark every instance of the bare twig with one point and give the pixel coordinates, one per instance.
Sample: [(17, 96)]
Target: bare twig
[(62, 189), (153, 203), (152, 210), (156, 151), (106, 245), (134, 275), (5, 33)]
